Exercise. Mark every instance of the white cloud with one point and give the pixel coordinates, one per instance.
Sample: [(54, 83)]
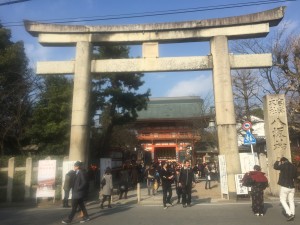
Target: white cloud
[(200, 86)]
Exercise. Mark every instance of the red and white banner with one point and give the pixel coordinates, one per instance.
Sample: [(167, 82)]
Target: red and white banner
[(46, 178)]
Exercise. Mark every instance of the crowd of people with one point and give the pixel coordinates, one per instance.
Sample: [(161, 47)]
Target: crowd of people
[(167, 174), (161, 174)]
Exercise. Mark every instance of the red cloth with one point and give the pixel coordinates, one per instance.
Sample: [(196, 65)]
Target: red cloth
[(258, 176)]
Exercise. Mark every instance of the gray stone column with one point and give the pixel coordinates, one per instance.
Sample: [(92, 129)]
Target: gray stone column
[(277, 135), (28, 175), (80, 108), (225, 114)]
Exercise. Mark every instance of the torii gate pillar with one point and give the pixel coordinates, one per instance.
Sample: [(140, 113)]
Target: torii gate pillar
[(81, 98), (224, 106)]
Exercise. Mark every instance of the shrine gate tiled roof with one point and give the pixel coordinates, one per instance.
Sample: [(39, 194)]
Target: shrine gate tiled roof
[(172, 108)]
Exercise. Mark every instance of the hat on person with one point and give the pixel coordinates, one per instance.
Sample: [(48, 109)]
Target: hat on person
[(77, 164)]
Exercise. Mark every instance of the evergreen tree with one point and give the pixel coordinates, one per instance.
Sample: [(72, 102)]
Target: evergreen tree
[(14, 92), (51, 118), (117, 98)]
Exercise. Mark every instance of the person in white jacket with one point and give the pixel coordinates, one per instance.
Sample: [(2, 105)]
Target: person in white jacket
[(107, 188)]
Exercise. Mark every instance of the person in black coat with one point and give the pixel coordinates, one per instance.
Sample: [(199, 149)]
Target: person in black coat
[(186, 180), (68, 184), (167, 178), (178, 186), (79, 192), (287, 177), (124, 182)]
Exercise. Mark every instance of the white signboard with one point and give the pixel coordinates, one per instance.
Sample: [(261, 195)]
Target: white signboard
[(240, 189), (248, 161), (223, 174), (104, 163), (46, 178), (67, 166)]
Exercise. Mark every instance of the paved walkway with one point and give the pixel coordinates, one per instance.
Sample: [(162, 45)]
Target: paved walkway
[(199, 194)]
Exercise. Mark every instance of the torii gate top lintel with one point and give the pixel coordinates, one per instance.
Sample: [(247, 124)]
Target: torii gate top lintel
[(272, 17)]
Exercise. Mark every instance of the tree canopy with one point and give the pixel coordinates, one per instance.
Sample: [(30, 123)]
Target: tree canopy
[(15, 81), (50, 123), (117, 97)]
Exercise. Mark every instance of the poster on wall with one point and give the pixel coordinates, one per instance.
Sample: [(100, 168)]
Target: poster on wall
[(104, 163), (67, 166), (240, 189), (46, 179), (248, 160), (223, 174)]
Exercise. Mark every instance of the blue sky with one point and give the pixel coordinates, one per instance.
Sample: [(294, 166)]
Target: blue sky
[(197, 83)]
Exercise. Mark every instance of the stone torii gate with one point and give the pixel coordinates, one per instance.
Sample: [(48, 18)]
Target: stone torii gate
[(216, 31)]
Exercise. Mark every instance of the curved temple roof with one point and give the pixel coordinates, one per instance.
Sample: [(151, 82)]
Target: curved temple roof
[(273, 17)]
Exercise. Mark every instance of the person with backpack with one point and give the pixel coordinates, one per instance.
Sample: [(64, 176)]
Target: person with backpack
[(79, 192), (259, 184), (68, 183)]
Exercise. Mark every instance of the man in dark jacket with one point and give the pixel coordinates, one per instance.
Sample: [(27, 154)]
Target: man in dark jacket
[(186, 180), (287, 177), (68, 184), (79, 191), (167, 179)]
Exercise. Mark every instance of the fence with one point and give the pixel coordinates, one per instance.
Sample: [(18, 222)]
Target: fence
[(23, 186)]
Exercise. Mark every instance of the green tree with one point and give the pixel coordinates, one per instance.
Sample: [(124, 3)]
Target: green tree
[(15, 88), (117, 99), (49, 126)]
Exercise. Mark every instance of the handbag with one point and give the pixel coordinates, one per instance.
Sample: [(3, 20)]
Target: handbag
[(103, 182), (155, 185)]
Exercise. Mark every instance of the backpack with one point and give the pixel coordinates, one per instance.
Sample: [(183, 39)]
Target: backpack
[(247, 180)]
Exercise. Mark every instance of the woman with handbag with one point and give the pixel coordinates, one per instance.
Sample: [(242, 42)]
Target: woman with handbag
[(107, 187)]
